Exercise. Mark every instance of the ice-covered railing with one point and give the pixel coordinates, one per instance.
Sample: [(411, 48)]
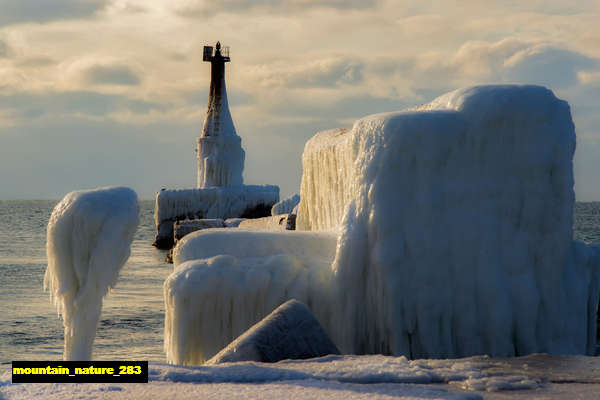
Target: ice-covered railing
[(454, 231)]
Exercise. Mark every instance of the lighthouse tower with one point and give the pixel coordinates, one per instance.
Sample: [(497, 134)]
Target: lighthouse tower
[(220, 153)]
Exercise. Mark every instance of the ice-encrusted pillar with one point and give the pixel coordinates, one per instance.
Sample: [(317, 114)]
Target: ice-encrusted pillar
[(220, 153)]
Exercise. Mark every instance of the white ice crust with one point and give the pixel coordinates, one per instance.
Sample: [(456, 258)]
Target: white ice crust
[(220, 161), (184, 227), (286, 206), (272, 223), (227, 280), (242, 243), (222, 202), (88, 241), (220, 153), (454, 235)]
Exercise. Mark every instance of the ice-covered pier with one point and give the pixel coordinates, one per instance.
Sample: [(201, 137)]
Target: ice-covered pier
[(444, 231)]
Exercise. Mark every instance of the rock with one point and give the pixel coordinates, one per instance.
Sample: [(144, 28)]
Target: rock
[(291, 331)]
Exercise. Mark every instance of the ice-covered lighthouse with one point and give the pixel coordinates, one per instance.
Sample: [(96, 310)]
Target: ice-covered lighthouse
[(220, 192), (220, 153)]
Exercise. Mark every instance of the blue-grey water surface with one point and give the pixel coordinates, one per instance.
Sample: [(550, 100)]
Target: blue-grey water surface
[(132, 318)]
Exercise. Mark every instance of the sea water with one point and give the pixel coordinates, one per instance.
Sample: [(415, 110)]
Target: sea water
[(131, 325)]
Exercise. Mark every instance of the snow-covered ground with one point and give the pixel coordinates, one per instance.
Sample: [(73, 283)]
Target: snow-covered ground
[(347, 377)]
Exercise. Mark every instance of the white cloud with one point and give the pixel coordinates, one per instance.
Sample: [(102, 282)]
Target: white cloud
[(327, 72), (206, 8), (111, 75)]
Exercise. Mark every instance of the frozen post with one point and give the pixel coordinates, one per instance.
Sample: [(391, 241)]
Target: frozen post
[(88, 242)]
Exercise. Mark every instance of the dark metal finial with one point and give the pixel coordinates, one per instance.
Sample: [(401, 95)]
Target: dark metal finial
[(218, 46)]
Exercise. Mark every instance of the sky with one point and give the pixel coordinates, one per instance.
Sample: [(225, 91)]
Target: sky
[(114, 92)]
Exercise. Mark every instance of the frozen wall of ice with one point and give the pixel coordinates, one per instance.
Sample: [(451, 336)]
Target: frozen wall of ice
[(458, 236), (327, 160), (88, 241)]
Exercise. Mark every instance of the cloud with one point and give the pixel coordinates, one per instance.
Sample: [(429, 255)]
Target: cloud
[(24, 107), (477, 62), (36, 62), (547, 65), (4, 49), (111, 75), (328, 72), (40, 11), (205, 8)]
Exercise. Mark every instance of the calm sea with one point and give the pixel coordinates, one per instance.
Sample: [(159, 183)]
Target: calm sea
[(131, 325)]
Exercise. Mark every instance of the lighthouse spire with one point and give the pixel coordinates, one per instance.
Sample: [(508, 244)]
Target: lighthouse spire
[(220, 153), (218, 120)]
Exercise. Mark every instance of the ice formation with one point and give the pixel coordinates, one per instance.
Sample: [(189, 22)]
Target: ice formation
[(454, 233), (220, 161), (220, 153), (233, 222), (216, 202), (227, 280), (458, 236), (272, 223), (245, 243), (88, 241), (291, 331), (182, 228), (286, 206)]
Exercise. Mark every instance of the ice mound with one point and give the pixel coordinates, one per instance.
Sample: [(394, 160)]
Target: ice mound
[(227, 280), (456, 225), (454, 233), (286, 206), (241, 243), (289, 332), (88, 241), (210, 302)]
